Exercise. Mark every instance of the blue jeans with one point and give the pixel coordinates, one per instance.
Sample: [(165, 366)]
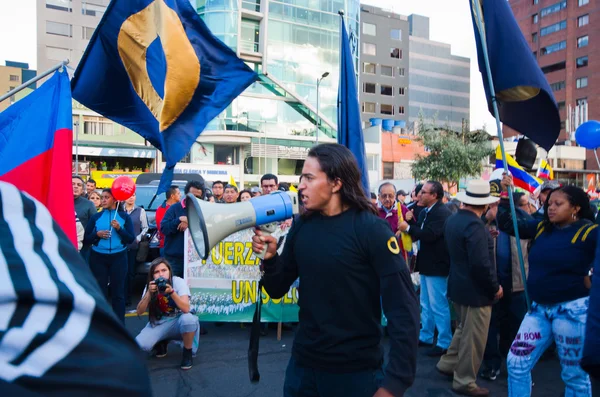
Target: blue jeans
[(565, 324), (435, 311), (308, 382), (111, 267)]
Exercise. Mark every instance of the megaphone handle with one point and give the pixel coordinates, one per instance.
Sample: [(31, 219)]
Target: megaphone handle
[(266, 230), (262, 254)]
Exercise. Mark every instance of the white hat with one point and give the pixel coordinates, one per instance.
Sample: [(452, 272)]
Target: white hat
[(478, 193)]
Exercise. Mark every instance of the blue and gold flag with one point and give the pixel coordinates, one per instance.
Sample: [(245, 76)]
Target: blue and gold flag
[(155, 67), (350, 132), (525, 100)]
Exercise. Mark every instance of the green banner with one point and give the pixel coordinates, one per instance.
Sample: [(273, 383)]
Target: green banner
[(224, 287)]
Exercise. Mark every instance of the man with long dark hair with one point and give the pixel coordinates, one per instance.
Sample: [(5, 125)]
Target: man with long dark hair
[(349, 265)]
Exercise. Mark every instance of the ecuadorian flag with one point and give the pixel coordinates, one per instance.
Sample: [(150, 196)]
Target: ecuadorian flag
[(545, 171), (520, 177)]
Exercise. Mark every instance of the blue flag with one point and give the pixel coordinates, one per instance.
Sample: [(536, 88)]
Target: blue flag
[(155, 67), (525, 100), (349, 124)]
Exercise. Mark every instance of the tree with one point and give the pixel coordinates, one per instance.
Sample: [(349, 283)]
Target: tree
[(452, 155)]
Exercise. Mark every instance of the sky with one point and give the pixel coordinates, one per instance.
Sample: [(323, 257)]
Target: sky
[(450, 22)]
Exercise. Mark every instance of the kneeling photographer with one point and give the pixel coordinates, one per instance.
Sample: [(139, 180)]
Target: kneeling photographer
[(167, 299)]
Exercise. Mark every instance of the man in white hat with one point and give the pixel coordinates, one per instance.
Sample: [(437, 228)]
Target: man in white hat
[(472, 287)]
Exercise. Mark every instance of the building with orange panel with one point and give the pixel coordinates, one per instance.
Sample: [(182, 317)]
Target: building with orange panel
[(398, 154)]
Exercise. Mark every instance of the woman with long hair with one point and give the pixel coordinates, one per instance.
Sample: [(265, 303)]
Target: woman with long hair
[(167, 299), (109, 232), (245, 195), (560, 257)]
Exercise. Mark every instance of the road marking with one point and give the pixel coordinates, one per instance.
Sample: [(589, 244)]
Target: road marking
[(134, 314)]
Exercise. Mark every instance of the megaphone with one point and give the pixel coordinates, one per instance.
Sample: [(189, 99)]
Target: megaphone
[(210, 223)]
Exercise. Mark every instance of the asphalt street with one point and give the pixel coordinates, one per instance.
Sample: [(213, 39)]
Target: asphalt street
[(221, 368)]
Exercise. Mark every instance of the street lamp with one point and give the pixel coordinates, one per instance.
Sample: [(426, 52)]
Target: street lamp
[(318, 116)]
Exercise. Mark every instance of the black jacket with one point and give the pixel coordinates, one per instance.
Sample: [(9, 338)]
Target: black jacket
[(472, 280), (433, 258)]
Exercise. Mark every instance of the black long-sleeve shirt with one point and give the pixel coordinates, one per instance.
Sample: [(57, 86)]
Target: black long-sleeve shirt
[(349, 265)]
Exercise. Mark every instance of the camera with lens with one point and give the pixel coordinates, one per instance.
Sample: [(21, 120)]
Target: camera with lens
[(161, 284)]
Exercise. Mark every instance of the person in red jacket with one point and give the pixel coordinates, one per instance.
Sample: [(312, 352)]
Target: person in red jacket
[(173, 196)]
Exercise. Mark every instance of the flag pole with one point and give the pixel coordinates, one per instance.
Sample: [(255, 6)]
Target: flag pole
[(513, 212), (33, 80)]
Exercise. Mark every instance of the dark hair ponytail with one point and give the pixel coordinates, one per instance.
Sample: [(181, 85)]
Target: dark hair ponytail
[(577, 198)]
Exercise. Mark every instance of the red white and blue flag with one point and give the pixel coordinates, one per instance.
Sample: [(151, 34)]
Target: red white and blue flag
[(36, 144)]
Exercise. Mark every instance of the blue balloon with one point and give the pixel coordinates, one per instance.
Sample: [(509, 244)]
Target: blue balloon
[(588, 134)]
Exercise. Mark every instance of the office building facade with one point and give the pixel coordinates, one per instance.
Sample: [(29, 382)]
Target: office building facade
[(439, 83), (294, 47), (383, 88)]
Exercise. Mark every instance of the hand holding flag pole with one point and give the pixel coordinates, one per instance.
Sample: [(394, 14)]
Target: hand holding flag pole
[(479, 22)]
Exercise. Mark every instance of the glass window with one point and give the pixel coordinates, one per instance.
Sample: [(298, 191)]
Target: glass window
[(534, 37), (59, 29), (561, 106), (94, 8), (553, 8), (535, 2), (557, 86), (14, 77), (387, 71), (226, 155), (387, 90), (401, 110), (387, 109), (57, 53), (396, 34), (582, 41), (400, 71), (396, 53), (388, 170), (369, 29), (401, 90), (368, 107), (581, 82), (581, 101), (553, 28), (369, 88), (60, 5), (582, 61), (583, 20), (369, 49), (252, 5), (250, 35), (372, 162), (369, 67), (583, 2), (534, 18), (553, 48), (86, 33)]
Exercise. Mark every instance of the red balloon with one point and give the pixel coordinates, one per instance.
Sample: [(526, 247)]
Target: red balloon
[(122, 188)]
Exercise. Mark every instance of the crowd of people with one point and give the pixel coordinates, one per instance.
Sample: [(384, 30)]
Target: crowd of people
[(471, 309), (467, 255), (109, 237)]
